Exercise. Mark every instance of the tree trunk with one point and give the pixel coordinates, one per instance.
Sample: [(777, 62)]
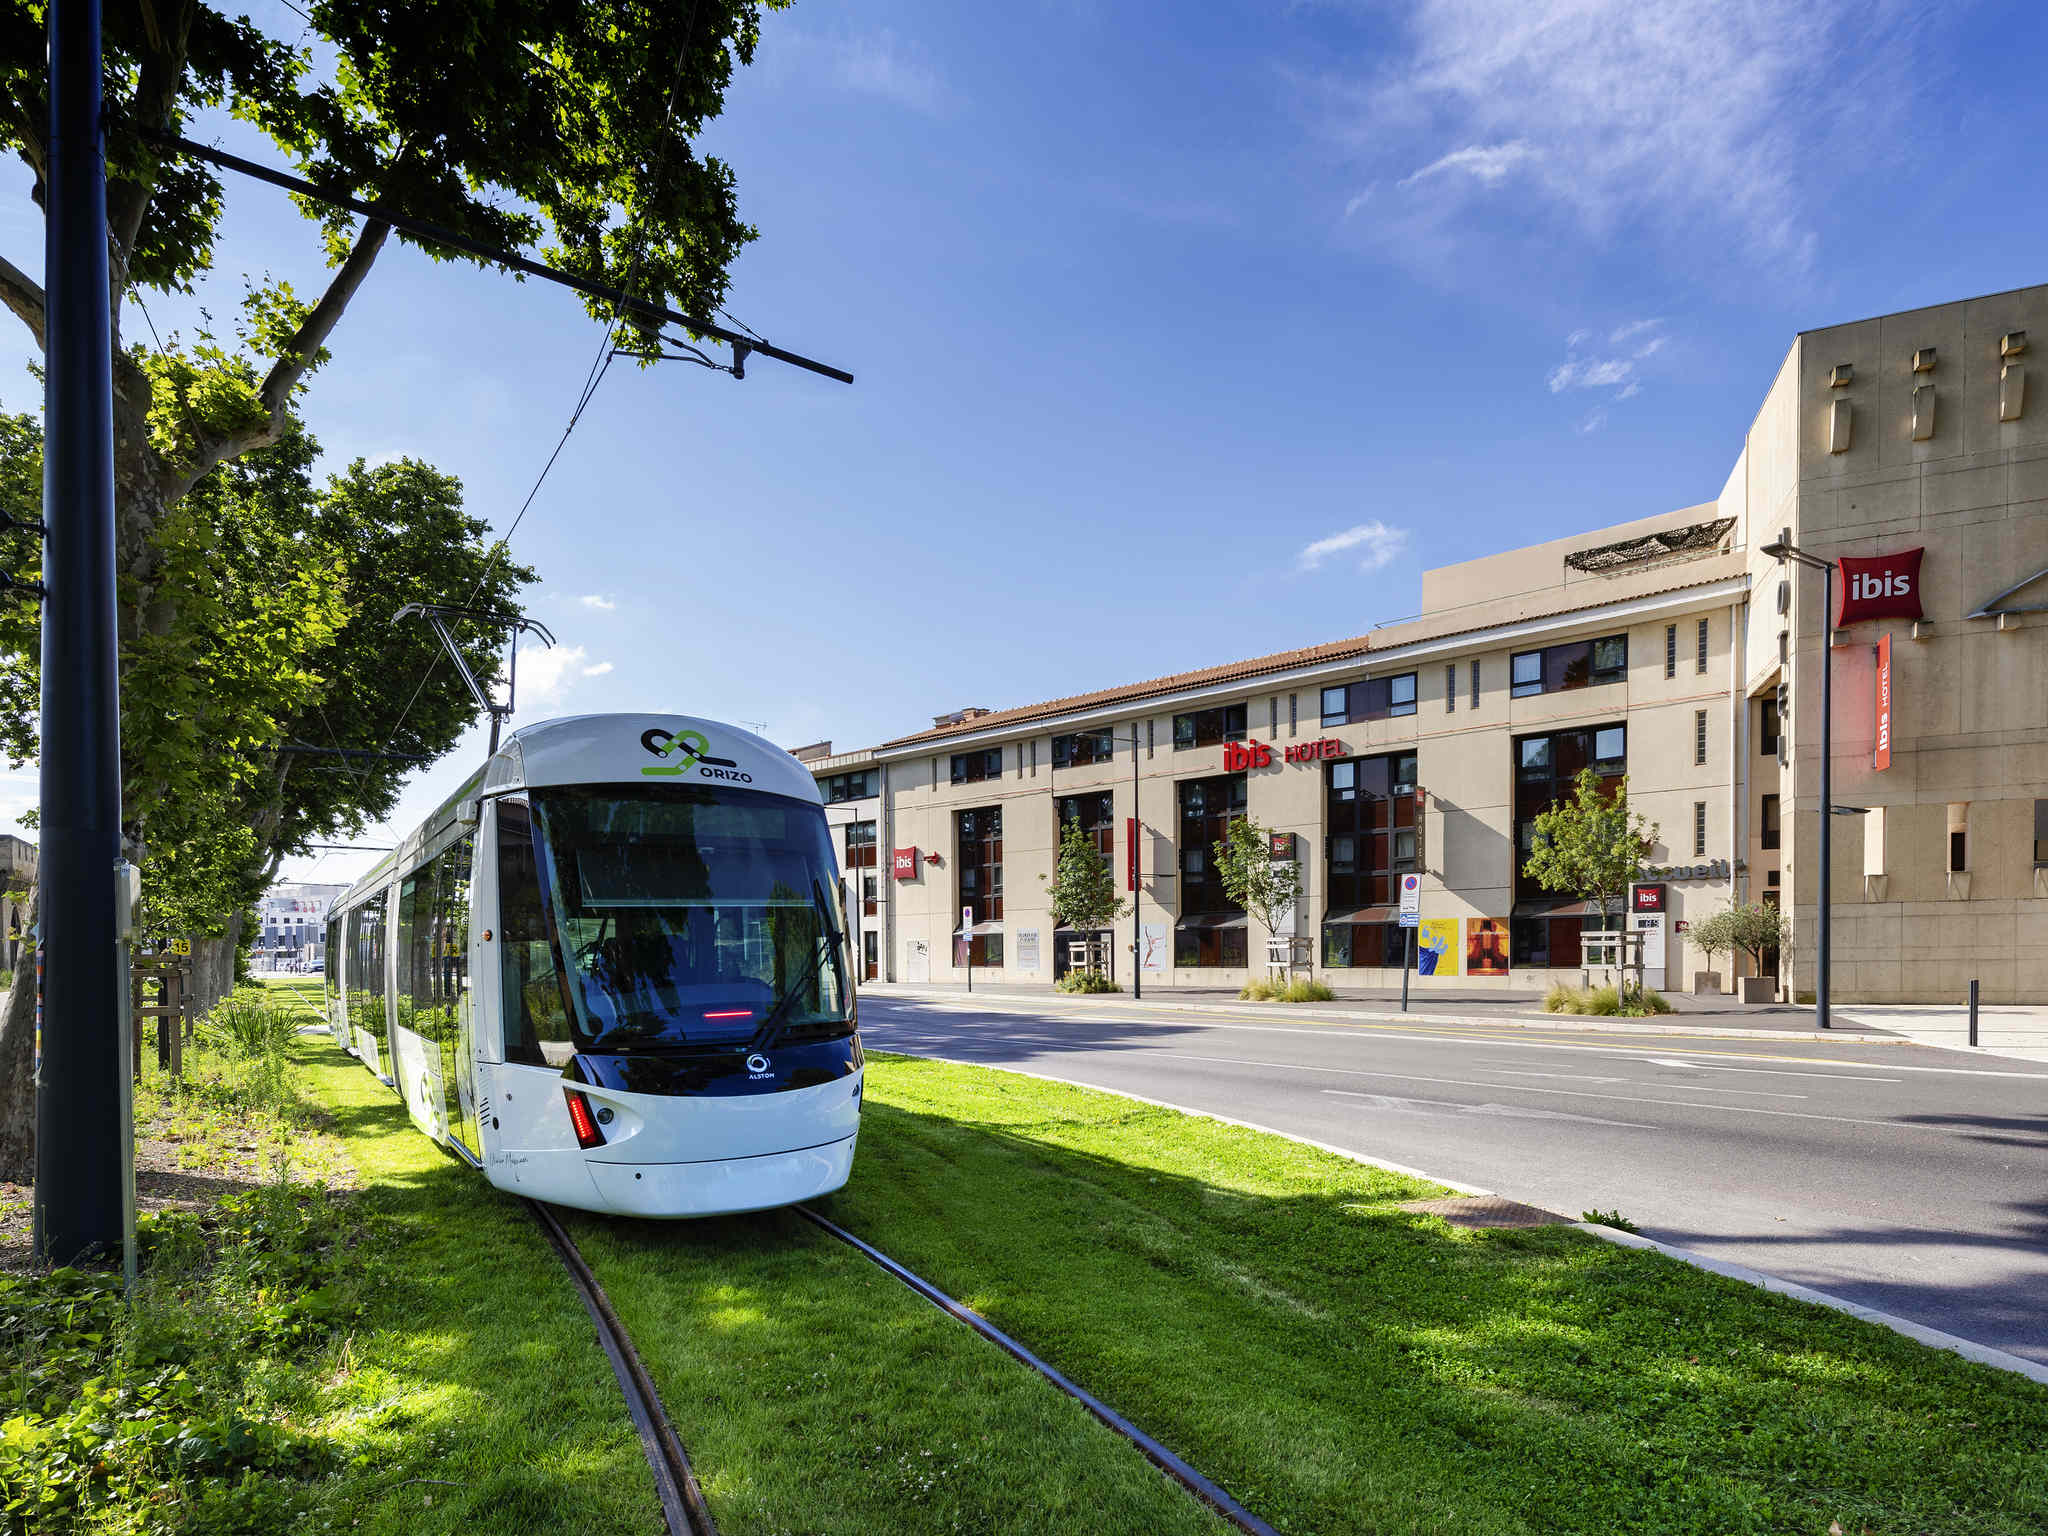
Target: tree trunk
[(17, 1064)]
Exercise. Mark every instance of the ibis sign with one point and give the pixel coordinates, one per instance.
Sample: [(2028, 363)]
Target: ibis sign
[(1880, 587)]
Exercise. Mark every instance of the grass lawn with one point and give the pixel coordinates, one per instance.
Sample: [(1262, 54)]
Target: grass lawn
[(1344, 1366)]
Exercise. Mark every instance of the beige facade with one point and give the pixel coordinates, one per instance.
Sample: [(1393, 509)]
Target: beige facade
[(1870, 460)]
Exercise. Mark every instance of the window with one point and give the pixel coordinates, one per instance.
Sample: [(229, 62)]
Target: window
[(1450, 687), (433, 971), (366, 997), (1767, 822), (1376, 698), (1699, 829), (870, 895), (862, 785), (1580, 664), (536, 1010), (1699, 737), (1369, 817), (1083, 748), (1097, 818), (860, 845), (1208, 727), (1767, 724), (2041, 832), (1207, 808), (1545, 769), (1475, 683), (1959, 837), (1703, 648), (973, 767), (980, 865), (1671, 650)]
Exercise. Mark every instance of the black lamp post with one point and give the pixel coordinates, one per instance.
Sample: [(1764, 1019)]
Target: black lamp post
[(1784, 549)]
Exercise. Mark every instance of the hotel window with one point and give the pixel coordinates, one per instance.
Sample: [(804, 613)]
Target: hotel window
[(1212, 927), (1959, 837), (1767, 724), (1475, 682), (980, 864), (1376, 698), (860, 845), (1703, 648), (1082, 748), (1671, 650), (1450, 687), (1097, 819), (863, 785), (1208, 727), (1581, 664), (1369, 818), (1699, 737), (2040, 832), (1767, 822), (973, 767), (1699, 829), (1545, 770)]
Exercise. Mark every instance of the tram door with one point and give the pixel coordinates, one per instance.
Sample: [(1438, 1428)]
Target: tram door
[(458, 1040)]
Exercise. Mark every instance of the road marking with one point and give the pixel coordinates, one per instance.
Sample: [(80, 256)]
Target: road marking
[(1570, 1077), (1574, 1093), (1506, 1111), (1700, 1066), (1747, 1093)]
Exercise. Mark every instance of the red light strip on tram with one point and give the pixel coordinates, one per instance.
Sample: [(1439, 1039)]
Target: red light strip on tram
[(587, 1133), (731, 1013)]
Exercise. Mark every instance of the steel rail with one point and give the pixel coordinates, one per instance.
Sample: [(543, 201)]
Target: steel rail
[(1208, 1492), (682, 1500)]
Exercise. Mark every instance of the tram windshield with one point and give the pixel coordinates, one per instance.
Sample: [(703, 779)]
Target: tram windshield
[(686, 915)]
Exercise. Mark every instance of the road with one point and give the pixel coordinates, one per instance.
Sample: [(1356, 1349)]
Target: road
[(1902, 1177)]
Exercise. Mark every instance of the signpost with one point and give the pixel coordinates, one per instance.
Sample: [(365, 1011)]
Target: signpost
[(1411, 916), (967, 938)]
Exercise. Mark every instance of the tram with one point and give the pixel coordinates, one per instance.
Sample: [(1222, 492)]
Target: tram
[(611, 972)]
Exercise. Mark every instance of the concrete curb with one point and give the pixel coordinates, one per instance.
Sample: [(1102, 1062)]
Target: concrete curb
[(1933, 1338), (1564, 1024)]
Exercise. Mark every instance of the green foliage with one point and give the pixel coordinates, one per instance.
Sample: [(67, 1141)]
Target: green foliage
[(1085, 982), (1605, 1002), (1301, 989), (1752, 928), (1254, 880), (1590, 845), (1613, 1219), (1082, 894)]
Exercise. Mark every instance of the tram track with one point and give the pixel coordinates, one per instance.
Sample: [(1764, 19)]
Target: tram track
[(675, 1484)]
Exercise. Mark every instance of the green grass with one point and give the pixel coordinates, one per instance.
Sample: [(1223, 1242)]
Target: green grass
[(1344, 1366)]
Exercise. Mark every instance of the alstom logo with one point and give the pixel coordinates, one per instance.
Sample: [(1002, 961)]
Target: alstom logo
[(1880, 587)]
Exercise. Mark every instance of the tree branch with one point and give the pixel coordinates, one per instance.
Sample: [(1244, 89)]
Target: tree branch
[(290, 367), (24, 295), (156, 95)]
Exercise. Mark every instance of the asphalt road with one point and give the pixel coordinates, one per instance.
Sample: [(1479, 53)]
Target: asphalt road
[(1900, 1176)]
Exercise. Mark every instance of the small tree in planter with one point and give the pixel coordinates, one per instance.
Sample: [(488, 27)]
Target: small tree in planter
[(1082, 895), (1714, 936), (1590, 845), (1250, 876), (1757, 928)]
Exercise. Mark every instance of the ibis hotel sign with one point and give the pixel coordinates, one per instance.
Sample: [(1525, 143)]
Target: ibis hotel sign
[(1240, 755), (1880, 587)]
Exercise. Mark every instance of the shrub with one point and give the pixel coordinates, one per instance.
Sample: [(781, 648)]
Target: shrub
[(1603, 1002), (1085, 981), (1613, 1219), (1300, 990)]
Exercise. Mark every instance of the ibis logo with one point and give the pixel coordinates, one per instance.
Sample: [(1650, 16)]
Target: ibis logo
[(690, 749), (1880, 587)]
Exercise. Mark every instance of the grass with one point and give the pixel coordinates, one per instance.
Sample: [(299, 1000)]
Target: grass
[(1301, 989), (1605, 1002), (1345, 1366)]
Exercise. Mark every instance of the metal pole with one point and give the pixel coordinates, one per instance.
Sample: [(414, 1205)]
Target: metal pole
[(1827, 788), (1137, 881), (1973, 1010), (1407, 965), (78, 1197)]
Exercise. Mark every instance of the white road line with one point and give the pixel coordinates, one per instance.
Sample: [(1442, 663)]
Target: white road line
[(1504, 1111), (1570, 1093), (1569, 1077), (1705, 1066), (1747, 1093)]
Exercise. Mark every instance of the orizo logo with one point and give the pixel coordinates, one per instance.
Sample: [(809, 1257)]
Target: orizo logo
[(692, 748), (1880, 587)]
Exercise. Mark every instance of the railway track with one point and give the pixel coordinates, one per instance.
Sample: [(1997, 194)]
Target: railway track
[(682, 1500)]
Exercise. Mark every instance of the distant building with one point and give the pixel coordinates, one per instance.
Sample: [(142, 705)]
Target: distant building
[(851, 784), (292, 922), (17, 874)]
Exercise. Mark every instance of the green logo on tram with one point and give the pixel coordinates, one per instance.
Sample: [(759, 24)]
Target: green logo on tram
[(693, 746)]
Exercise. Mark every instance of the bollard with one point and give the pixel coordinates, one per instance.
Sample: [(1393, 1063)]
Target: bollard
[(1973, 1011)]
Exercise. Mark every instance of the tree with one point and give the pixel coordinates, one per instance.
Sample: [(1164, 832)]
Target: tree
[(1756, 928), (1082, 894), (1590, 845), (1714, 935), (1251, 877)]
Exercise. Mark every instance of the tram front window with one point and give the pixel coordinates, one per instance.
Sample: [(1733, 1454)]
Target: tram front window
[(684, 915)]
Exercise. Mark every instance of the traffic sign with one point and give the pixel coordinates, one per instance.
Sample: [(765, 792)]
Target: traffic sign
[(1411, 900)]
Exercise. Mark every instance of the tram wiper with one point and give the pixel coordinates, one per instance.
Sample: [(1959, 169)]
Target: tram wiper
[(771, 1027)]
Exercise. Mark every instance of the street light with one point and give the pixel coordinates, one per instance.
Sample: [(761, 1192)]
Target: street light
[(1784, 549)]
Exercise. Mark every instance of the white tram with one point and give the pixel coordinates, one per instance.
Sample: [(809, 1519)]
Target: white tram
[(612, 972)]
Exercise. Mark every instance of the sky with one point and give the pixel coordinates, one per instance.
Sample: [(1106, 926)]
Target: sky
[(1180, 333)]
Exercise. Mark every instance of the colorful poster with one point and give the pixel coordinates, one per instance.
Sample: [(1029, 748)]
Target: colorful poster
[(1486, 946), (1154, 957), (1436, 946)]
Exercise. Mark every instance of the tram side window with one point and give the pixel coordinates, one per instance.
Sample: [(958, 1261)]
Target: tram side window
[(366, 999), (413, 999), (536, 1010)]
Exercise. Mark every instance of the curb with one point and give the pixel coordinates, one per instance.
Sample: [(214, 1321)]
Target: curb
[(1583, 1024), (1920, 1333)]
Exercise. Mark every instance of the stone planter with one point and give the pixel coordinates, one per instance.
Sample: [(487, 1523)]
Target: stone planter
[(1759, 989), (1706, 983)]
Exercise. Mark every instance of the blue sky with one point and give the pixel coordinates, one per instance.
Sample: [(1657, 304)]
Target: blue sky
[(1182, 333)]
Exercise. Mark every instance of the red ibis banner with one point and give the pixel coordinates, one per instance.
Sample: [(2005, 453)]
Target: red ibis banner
[(903, 863), (1884, 702), (1130, 853), (1880, 587)]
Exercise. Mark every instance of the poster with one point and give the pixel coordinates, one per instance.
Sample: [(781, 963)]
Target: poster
[(1027, 949), (1486, 946), (1153, 937), (1436, 946)]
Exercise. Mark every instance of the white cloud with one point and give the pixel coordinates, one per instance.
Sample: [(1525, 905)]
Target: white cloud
[(598, 601), (1629, 391), (547, 674), (874, 64), (599, 670), (1487, 164), (1588, 373), (1622, 333), (1594, 422), (1582, 371), (1376, 543), (1360, 199)]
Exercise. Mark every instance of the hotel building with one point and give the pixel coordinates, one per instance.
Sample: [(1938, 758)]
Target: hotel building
[(1674, 650)]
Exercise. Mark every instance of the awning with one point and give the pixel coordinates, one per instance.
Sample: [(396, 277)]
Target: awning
[(1215, 920), (1564, 906), (980, 929), (1380, 914)]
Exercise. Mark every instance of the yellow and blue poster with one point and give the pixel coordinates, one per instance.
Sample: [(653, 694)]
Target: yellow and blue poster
[(1436, 942)]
